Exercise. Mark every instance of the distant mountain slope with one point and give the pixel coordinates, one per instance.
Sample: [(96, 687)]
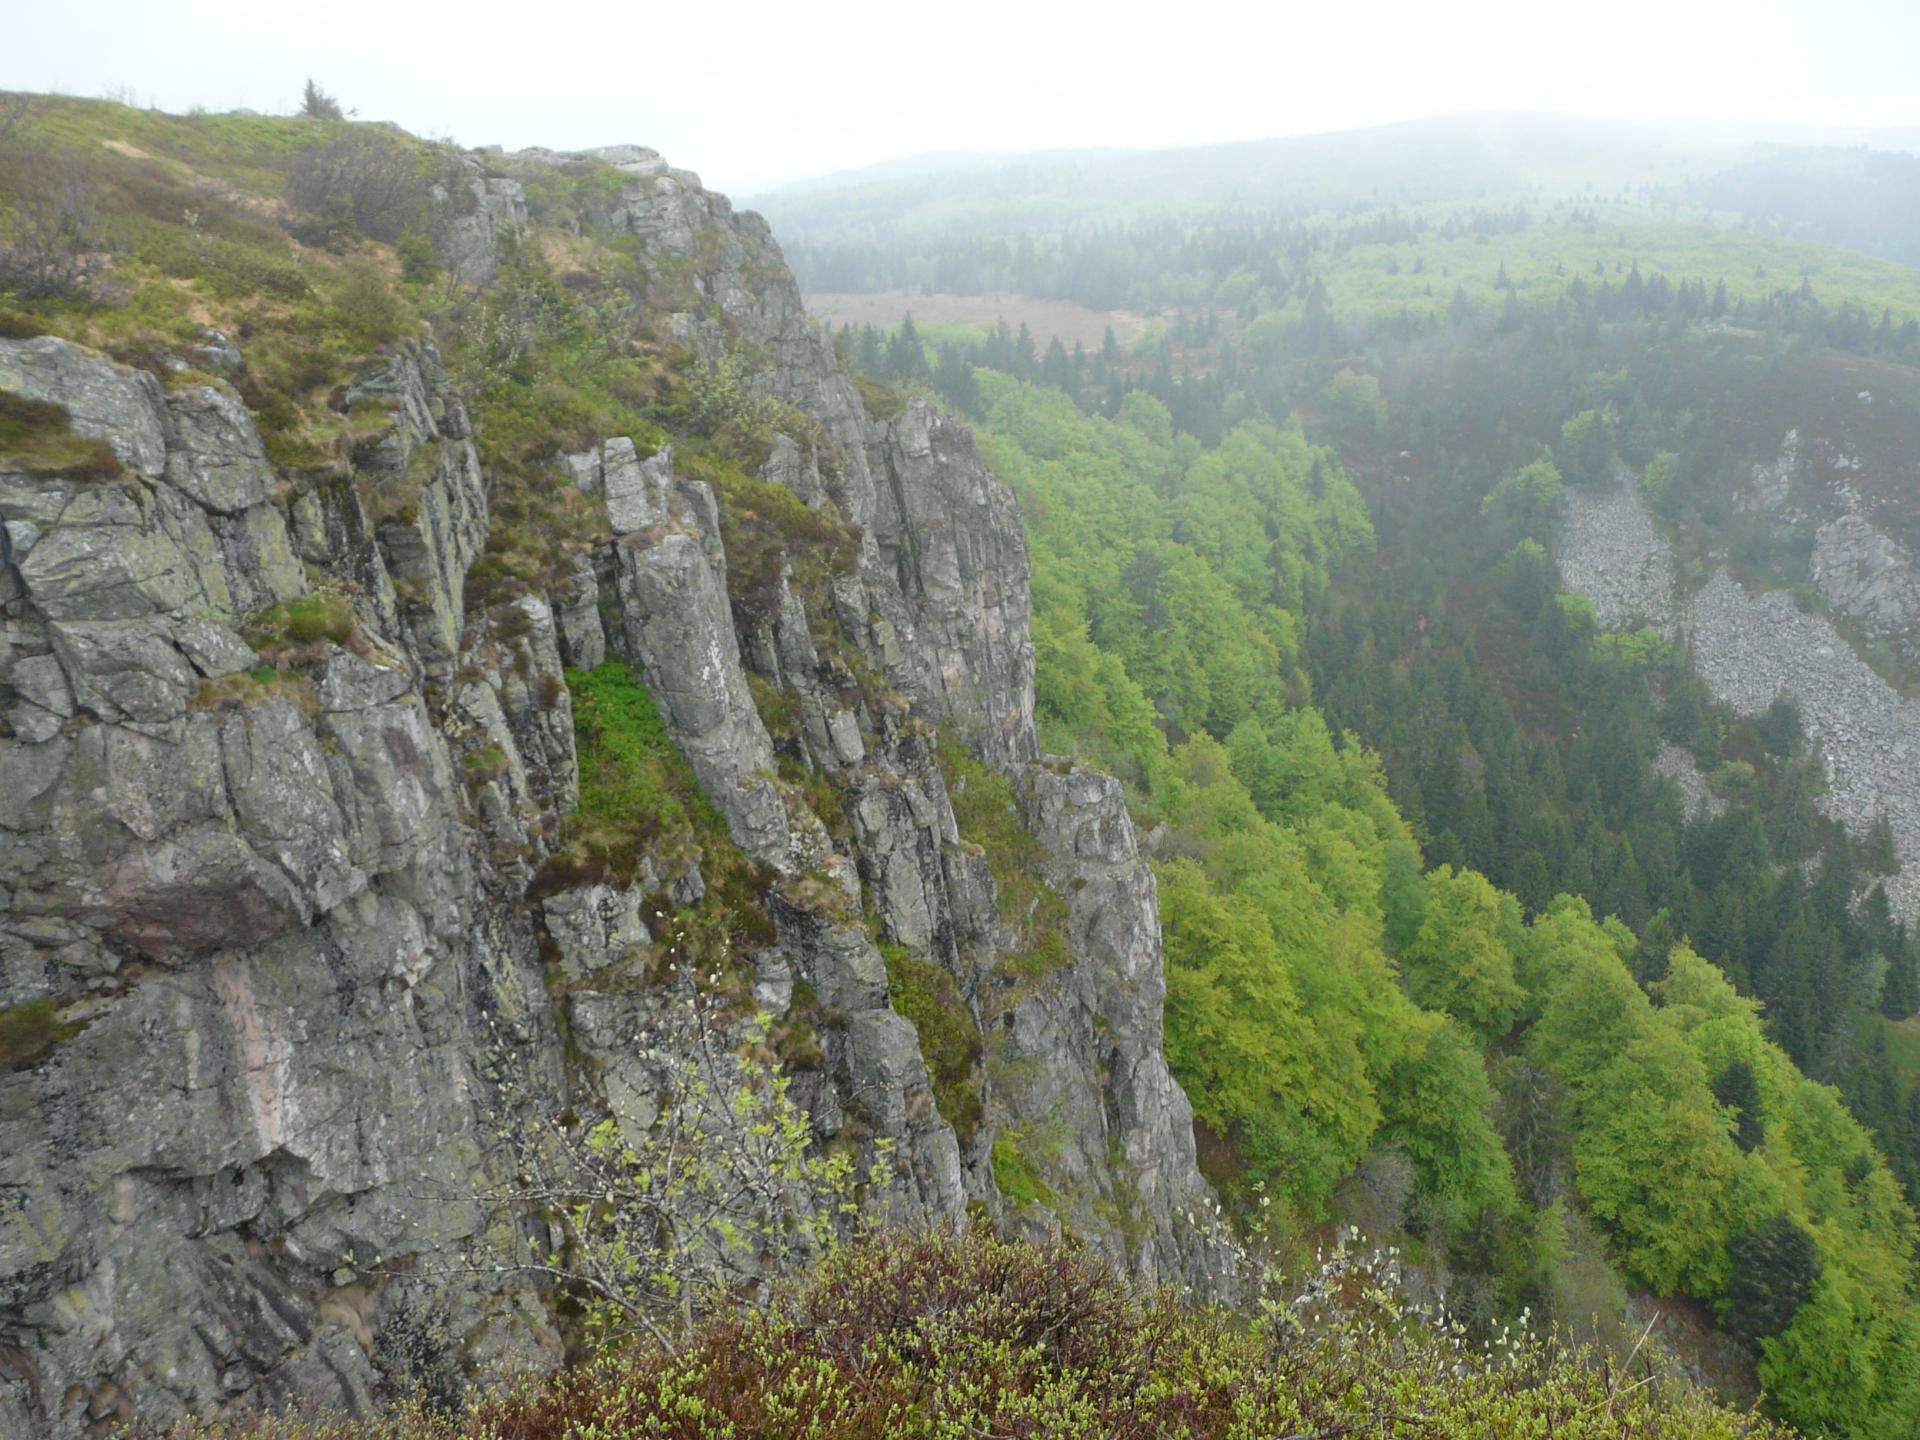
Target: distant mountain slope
[(1467, 157), (1865, 199)]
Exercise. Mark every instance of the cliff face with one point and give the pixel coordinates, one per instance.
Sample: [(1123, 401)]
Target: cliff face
[(274, 988)]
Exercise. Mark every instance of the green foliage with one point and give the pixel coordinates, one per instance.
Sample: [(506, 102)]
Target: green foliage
[(637, 795), (1736, 1090), (1517, 739), (1775, 1268), (1655, 1160), (366, 180), (949, 1039), (1254, 1063), (1286, 866), (293, 638), (1523, 501), (1577, 615), (882, 402), (366, 310), (1459, 961), (657, 1223), (768, 530), (1289, 882), (1013, 1173), (1185, 593), (944, 1335), (1328, 1004), (1658, 478), (317, 104), (187, 227), (1354, 406), (1437, 1103), (419, 263), (1641, 649), (1586, 450), (716, 399), (246, 688), (308, 620)]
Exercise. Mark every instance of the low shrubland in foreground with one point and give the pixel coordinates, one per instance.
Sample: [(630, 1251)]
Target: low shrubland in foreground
[(940, 1335)]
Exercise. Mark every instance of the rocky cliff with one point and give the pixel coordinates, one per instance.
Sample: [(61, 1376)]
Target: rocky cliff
[(284, 955), (1755, 648)]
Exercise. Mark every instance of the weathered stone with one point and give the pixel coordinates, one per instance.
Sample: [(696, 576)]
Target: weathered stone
[(469, 235), (1102, 1017), (216, 456), (124, 669), (114, 553), (583, 640), (124, 407), (40, 680), (213, 649), (637, 492), (951, 535), (679, 626), (1755, 649), (798, 471), (595, 927), (834, 954), (282, 799), (887, 1078), (1867, 576), (442, 533)]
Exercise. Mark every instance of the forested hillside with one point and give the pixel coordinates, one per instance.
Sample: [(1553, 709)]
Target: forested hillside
[(1353, 1024), (1486, 921)]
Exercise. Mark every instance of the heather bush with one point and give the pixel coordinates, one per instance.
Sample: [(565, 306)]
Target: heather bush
[(945, 1335)]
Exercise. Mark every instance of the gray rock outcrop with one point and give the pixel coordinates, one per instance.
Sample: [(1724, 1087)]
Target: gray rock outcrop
[(1755, 649), (1867, 576), (269, 891), (474, 212), (253, 903)]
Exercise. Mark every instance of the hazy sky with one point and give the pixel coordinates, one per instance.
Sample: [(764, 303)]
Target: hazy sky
[(755, 92)]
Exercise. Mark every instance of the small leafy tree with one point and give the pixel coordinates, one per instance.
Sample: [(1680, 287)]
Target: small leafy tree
[(655, 1217), (1586, 450), (1458, 961), (50, 238), (1523, 501), (365, 181)]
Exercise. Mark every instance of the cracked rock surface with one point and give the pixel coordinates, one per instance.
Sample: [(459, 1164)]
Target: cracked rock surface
[(283, 925)]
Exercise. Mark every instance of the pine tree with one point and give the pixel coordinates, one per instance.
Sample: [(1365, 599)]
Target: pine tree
[(1737, 1090), (906, 355), (1900, 992), (1774, 1271), (317, 104), (953, 378)]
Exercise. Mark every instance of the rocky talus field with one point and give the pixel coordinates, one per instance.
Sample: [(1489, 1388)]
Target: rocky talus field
[(1753, 649)]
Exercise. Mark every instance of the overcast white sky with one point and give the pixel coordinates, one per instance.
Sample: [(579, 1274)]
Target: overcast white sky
[(754, 92)]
